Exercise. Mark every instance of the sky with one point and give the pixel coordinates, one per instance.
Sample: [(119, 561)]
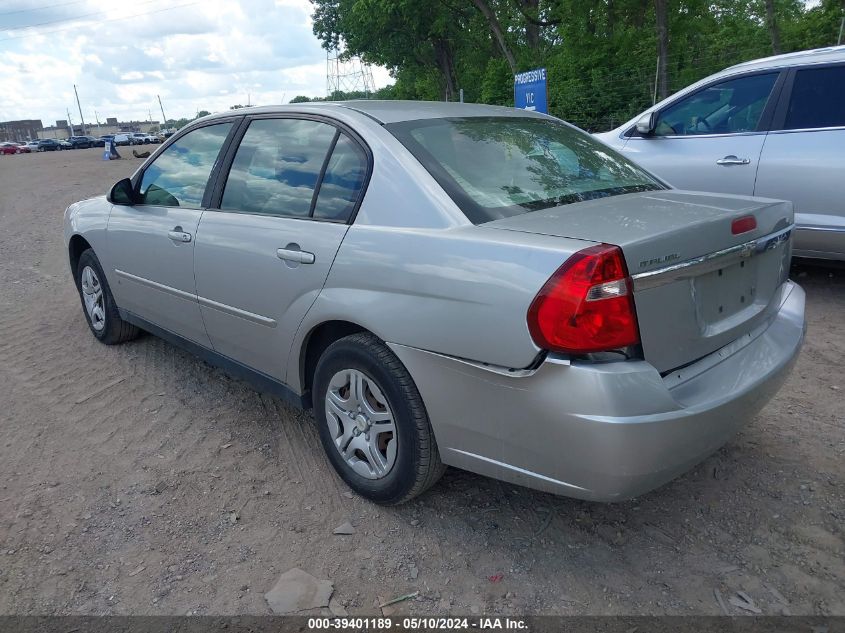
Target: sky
[(197, 55)]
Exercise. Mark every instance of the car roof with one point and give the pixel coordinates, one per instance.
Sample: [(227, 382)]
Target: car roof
[(388, 111), (814, 56)]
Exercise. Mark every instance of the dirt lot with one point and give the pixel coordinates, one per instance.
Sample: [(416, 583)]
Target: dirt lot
[(139, 480)]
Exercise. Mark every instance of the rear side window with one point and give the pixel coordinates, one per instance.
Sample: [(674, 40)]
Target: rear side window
[(818, 99), (178, 177), (343, 181), (277, 166)]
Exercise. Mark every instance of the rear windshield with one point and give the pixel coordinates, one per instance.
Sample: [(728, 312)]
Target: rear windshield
[(497, 167)]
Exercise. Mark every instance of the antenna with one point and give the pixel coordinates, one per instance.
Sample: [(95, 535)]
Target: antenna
[(347, 73)]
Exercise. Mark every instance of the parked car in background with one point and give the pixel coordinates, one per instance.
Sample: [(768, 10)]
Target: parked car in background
[(24, 148), (636, 327), (772, 127), (122, 139), (48, 145), (64, 144), (9, 148), (82, 142), (32, 145), (140, 138)]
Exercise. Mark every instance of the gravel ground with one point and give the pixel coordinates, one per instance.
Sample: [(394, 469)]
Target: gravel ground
[(139, 480)]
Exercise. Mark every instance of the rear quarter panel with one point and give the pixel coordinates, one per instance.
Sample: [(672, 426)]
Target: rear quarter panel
[(463, 291)]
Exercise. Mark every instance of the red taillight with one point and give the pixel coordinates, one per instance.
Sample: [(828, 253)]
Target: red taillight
[(744, 224), (587, 305)]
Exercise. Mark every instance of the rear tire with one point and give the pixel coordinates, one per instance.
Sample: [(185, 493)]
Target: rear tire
[(386, 466), (98, 304)]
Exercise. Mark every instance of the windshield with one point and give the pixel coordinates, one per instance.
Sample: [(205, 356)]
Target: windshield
[(497, 167)]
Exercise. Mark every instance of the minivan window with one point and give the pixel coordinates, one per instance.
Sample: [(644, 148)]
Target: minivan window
[(496, 167), (342, 182), (179, 175), (277, 166), (729, 107), (818, 99)]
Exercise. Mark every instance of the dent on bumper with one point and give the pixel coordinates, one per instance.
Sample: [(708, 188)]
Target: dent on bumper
[(605, 431)]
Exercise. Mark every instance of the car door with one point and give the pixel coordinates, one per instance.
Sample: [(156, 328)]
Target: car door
[(711, 139), (803, 159), (263, 255), (151, 243)]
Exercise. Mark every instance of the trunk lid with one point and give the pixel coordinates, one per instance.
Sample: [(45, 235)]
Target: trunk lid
[(697, 287)]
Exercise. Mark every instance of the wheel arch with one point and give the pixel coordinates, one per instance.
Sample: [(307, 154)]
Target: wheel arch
[(315, 343), (76, 246)]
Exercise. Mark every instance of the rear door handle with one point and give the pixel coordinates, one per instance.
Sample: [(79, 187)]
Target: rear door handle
[(730, 159), (295, 255), (178, 235)]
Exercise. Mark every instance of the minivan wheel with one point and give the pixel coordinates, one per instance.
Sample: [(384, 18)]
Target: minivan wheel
[(372, 421), (98, 303)]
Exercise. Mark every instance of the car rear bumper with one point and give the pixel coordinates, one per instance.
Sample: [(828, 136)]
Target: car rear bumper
[(603, 431)]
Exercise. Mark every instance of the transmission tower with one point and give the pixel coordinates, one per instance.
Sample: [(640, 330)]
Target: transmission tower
[(347, 74)]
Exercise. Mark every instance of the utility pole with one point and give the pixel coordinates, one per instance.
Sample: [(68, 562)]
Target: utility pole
[(841, 28), (163, 118), (69, 124), (81, 118), (97, 119)]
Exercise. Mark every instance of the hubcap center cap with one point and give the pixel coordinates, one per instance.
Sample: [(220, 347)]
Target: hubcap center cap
[(362, 422)]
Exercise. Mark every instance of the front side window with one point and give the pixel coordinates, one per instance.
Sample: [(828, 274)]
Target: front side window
[(498, 167), (730, 107), (818, 99), (277, 166), (179, 176)]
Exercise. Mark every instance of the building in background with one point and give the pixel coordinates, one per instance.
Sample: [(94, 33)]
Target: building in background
[(112, 126), (20, 131)]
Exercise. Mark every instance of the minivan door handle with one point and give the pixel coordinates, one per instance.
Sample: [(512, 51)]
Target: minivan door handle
[(295, 255), (178, 235), (730, 159)]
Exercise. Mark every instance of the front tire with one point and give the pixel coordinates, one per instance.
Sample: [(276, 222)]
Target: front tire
[(372, 421), (98, 304)]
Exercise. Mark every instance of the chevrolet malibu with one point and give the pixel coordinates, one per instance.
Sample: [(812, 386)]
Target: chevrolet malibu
[(450, 284)]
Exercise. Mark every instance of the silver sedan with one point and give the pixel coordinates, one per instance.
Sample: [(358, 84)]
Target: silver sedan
[(451, 284)]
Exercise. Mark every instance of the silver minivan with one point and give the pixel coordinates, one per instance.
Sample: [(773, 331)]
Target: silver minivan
[(771, 127)]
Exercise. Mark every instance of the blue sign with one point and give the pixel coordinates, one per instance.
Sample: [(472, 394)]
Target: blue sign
[(530, 89)]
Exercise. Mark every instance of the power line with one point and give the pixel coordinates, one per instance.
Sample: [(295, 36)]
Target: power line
[(76, 17), (49, 6), (125, 17)]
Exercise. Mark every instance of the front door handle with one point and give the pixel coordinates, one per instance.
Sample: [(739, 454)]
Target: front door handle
[(178, 235), (295, 255), (730, 159)]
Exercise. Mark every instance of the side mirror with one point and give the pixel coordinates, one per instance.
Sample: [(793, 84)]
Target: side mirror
[(122, 193), (646, 123)]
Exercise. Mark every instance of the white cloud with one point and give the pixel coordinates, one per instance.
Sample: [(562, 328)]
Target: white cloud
[(208, 55)]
